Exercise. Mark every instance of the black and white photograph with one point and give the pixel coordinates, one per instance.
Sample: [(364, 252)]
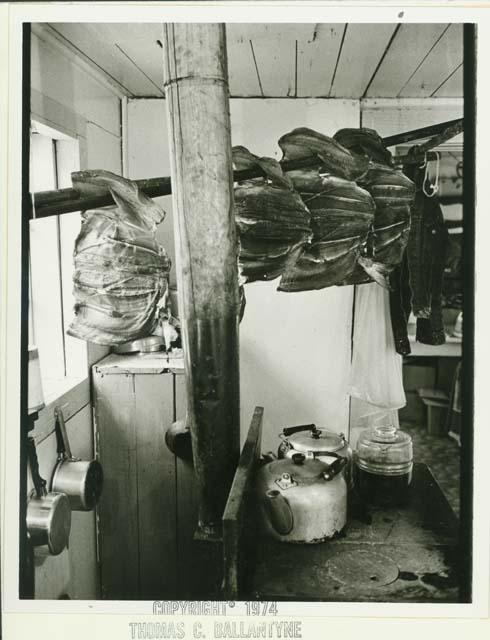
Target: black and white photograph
[(244, 328)]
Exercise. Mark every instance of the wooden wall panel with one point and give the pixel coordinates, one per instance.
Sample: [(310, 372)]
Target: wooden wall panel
[(442, 60), (156, 502), (407, 51), (84, 584), (187, 502), (103, 149), (137, 43), (140, 550), (63, 81), (97, 41), (389, 117), (118, 508), (453, 86), (294, 348), (261, 58), (290, 59), (317, 58), (148, 157), (66, 95), (74, 571), (357, 64), (275, 59), (242, 74)]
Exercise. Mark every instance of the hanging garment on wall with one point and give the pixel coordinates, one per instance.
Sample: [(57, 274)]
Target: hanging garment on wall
[(121, 272), (431, 330), (341, 216), (426, 250), (452, 286), (418, 285), (400, 306), (273, 222), (376, 368), (364, 141), (332, 156)]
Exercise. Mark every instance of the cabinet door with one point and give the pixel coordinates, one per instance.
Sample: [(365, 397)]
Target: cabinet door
[(157, 532), (137, 534)]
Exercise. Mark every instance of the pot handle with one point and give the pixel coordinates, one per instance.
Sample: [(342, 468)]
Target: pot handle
[(39, 482), (269, 456), (335, 468), (288, 431), (62, 444), (279, 511)]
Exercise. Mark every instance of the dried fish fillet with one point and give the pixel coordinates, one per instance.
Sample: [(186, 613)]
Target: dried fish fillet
[(333, 157), (364, 141), (272, 221), (324, 264), (341, 217), (393, 194)]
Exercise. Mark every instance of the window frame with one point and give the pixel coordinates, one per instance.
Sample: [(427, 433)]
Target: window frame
[(69, 392)]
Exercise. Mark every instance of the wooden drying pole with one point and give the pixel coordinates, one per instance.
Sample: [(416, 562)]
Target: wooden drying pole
[(50, 203), (196, 82)]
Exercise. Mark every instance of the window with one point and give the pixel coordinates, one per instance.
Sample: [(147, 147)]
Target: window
[(63, 359)]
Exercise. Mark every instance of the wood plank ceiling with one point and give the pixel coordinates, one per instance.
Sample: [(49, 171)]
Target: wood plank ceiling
[(292, 60)]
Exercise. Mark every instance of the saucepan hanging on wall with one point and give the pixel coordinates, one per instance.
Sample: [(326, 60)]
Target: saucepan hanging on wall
[(48, 514), (80, 480)]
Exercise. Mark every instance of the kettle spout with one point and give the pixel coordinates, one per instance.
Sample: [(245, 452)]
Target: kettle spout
[(279, 512)]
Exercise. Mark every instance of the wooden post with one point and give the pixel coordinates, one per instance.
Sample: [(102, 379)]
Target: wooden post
[(196, 84)]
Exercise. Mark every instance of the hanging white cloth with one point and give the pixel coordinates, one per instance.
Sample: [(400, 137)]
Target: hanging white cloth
[(375, 379)]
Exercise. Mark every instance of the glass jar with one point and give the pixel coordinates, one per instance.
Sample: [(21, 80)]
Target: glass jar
[(383, 463)]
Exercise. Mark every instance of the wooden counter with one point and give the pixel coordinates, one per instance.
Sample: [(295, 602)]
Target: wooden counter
[(405, 554), (450, 349)]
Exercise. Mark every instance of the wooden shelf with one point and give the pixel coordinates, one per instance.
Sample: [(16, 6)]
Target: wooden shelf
[(157, 362), (451, 349)]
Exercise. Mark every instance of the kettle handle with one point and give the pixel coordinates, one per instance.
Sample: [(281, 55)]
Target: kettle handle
[(279, 512), (288, 431), (335, 468)]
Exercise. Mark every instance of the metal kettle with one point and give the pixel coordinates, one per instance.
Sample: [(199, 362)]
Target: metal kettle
[(302, 500)]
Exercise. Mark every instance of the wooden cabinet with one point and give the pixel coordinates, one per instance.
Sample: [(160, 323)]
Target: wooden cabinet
[(148, 511)]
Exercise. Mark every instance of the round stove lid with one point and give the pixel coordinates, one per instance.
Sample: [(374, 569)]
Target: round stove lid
[(316, 440)]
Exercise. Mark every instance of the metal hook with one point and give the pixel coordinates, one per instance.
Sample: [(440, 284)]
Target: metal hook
[(435, 186)]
